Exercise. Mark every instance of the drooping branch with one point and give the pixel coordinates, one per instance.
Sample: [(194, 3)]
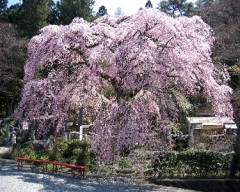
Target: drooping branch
[(130, 73)]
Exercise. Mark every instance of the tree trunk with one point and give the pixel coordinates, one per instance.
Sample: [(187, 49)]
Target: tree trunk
[(9, 105)]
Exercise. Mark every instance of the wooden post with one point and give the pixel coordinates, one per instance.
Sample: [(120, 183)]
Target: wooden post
[(33, 131), (191, 138), (7, 121), (80, 117), (7, 132)]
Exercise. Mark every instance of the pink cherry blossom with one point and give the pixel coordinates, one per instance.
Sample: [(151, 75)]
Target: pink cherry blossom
[(131, 75)]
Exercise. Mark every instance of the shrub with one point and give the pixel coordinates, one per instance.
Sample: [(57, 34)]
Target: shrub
[(81, 156), (58, 148), (72, 151), (72, 145), (29, 152), (124, 163), (195, 163)]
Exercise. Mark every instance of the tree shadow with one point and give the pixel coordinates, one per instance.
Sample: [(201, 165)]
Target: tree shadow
[(68, 182)]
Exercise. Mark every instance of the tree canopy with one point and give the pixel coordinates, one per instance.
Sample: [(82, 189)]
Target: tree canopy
[(177, 7), (223, 17), (31, 16), (102, 10), (130, 75), (13, 53), (3, 5), (3, 8), (148, 4), (69, 9)]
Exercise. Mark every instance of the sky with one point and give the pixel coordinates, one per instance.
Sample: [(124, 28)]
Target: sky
[(128, 7)]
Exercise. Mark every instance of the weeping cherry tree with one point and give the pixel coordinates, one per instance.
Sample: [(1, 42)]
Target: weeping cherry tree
[(131, 75)]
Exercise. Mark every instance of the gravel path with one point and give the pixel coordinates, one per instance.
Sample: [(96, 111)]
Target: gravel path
[(5, 149), (26, 180)]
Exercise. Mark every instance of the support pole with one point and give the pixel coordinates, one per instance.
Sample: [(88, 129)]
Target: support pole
[(81, 133), (80, 122)]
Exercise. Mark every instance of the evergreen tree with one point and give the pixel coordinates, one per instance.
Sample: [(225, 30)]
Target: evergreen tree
[(118, 12), (12, 13), (3, 5), (54, 17), (149, 4), (32, 16), (177, 7), (102, 11), (13, 53), (3, 8), (69, 9)]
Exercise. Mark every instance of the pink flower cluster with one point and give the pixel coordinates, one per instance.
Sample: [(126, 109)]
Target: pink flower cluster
[(131, 75)]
